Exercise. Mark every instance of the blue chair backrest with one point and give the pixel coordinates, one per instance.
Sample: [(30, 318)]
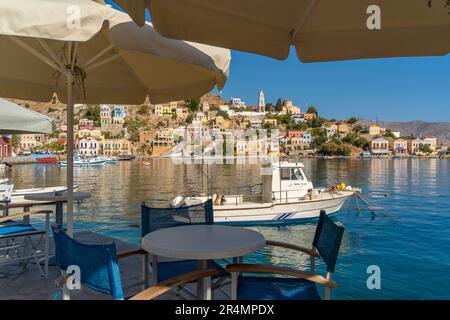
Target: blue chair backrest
[(97, 262), (327, 239), (153, 219)]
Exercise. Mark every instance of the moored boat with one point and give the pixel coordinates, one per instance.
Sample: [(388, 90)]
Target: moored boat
[(77, 162), (287, 196), (45, 158), (12, 196), (125, 157)]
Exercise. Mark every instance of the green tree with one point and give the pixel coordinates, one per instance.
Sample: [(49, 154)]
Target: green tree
[(54, 134), (279, 105), (425, 148), (284, 119), (15, 140), (193, 104), (358, 128), (319, 136), (269, 107), (93, 113), (223, 114), (389, 134), (312, 109), (134, 126), (298, 126), (352, 120), (143, 109), (333, 148), (316, 122)]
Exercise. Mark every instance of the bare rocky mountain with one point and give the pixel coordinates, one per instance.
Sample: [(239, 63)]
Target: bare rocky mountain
[(421, 128), (416, 128)]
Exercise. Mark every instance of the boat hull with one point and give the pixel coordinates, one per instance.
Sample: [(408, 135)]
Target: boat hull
[(18, 196), (279, 212)]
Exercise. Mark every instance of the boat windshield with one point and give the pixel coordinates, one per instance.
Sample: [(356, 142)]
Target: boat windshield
[(296, 174), (291, 174)]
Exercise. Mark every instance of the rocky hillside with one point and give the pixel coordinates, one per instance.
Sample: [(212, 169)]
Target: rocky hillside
[(421, 128)]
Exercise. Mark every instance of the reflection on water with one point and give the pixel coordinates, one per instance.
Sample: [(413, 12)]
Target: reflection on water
[(411, 245)]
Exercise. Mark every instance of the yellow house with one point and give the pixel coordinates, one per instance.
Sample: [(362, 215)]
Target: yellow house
[(374, 130), (114, 147), (86, 133), (162, 110)]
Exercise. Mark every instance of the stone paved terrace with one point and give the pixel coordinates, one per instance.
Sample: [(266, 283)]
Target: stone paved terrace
[(28, 284)]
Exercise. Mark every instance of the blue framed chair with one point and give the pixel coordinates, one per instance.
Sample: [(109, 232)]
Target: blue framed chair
[(20, 241), (99, 269), (301, 285), (153, 219)]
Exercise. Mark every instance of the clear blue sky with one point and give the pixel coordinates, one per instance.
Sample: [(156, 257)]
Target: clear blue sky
[(388, 89)]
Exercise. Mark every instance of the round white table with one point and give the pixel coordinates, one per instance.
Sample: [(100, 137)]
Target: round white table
[(58, 198), (203, 243)]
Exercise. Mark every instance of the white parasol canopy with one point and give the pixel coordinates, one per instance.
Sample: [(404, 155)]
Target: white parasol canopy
[(90, 53)]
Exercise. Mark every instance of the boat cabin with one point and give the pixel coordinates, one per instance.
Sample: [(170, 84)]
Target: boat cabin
[(289, 181)]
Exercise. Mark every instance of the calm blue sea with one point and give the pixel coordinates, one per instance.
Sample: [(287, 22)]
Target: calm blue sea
[(408, 238)]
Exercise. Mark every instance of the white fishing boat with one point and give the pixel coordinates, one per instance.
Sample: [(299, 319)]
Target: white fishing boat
[(286, 196), (108, 160), (77, 162), (12, 196)]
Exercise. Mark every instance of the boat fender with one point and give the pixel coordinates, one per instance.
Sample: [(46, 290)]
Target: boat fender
[(176, 202), (314, 194), (217, 200)]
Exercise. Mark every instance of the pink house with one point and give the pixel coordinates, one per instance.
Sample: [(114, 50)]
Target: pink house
[(5, 146)]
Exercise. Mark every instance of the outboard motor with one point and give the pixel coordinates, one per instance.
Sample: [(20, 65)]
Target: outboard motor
[(177, 202)]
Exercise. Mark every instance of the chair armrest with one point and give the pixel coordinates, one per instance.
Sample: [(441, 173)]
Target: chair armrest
[(162, 287), (280, 244), (131, 252), (260, 268), (24, 214)]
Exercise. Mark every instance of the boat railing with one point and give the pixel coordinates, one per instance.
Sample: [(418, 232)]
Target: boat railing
[(283, 195)]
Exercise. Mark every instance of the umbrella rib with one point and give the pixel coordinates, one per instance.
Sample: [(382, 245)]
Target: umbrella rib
[(35, 53), (97, 56), (102, 62), (311, 5), (74, 56), (51, 53)]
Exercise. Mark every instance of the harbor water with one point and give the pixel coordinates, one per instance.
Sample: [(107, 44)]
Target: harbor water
[(408, 238)]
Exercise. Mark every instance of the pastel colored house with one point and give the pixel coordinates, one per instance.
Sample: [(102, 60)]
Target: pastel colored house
[(163, 110), (5, 146), (118, 115), (380, 147), (374, 130), (105, 114), (415, 146), (88, 147), (331, 130), (114, 147), (28, 141), (294, 134), (86, 124), (399, 146)]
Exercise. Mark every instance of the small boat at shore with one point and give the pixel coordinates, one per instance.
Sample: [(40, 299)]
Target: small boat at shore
[(11, 196), (108, 160), (45, 158), (286, 196), (77, 162), (126, 157)]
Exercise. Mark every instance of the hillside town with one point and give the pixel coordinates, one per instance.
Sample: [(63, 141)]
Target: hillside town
[(160, 129)]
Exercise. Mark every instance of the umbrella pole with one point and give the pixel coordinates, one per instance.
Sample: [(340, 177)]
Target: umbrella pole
[(70, 142)]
